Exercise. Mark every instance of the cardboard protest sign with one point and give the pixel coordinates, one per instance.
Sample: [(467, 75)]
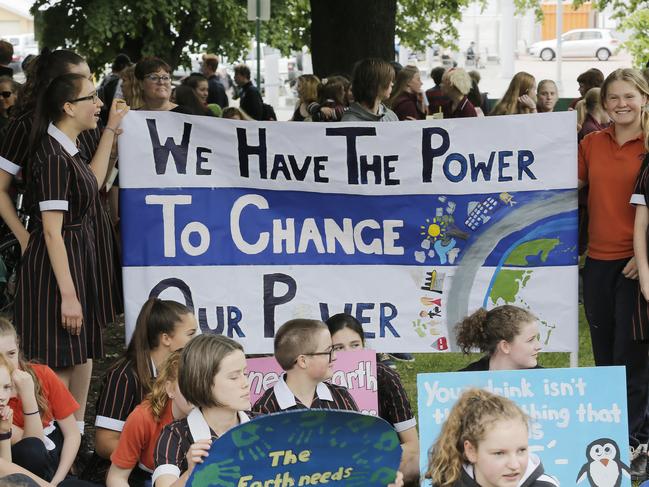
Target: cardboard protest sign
[(305, 447), (578, 417), (354, 370), (407, 226)]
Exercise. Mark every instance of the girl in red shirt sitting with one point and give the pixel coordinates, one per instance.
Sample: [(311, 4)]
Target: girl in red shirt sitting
[(132, 461), (45, 436)]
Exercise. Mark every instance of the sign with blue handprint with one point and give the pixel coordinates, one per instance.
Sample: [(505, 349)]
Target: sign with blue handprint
[(304, 447)]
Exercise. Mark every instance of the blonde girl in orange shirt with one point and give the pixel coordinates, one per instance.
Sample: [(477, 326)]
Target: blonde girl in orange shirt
[(609, 162)]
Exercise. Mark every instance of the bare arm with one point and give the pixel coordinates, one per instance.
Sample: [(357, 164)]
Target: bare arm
[(106, 442), (101, 160), (8, 211), (640, 247), (117, 476), (25, 387), (71, 441), (410, 457), (72, 315), (6, 420)]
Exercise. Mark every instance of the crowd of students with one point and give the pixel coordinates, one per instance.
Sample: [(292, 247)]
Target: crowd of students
[(172, 394)]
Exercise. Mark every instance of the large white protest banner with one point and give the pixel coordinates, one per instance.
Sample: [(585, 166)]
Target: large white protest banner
[(407, 226)]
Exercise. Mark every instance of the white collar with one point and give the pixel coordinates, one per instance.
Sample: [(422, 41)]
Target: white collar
[(69, 146), (286, 398), (154, 371), (199, 428)]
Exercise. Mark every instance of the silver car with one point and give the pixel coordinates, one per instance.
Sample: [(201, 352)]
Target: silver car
[(598, 43)]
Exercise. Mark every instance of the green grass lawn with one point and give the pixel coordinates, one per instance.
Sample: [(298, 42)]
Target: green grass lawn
[(448, 362)]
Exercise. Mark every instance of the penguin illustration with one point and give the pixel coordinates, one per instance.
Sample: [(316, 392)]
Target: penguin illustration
[(603, 467)]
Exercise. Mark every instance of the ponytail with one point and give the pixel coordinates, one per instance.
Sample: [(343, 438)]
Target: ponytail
[(40, 73), (485, 329), (49, 108), (475, 411), (156, 317)]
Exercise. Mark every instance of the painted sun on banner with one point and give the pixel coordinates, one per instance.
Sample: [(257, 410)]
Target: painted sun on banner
[(407, 226)]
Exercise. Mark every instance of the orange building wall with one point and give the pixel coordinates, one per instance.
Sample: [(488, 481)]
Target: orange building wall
[(581, 18)]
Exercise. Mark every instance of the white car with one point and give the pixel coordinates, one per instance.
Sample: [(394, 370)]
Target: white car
[(598, 43)]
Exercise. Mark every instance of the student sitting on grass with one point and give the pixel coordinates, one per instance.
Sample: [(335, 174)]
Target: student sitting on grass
[(213, 378), (132, 460), (394, 406), (303, 348), (507, 335)]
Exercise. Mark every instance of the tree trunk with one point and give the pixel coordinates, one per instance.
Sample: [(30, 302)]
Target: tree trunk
[(345, 31)]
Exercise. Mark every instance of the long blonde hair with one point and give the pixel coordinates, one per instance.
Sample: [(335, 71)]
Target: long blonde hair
[(471, 417), (520, 85), (167, 373), (634, 77), (7, 329), (401, 83)]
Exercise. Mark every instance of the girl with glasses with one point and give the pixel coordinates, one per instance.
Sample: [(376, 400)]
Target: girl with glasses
[(17, 162), (154, 76), (56, 316)]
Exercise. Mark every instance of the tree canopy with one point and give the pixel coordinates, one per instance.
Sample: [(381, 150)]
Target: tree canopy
[(100, 29)]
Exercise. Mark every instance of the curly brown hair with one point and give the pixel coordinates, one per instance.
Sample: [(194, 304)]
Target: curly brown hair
[(485, 329)]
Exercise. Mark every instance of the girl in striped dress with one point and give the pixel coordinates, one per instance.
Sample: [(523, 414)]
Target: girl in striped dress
[(57, 311)]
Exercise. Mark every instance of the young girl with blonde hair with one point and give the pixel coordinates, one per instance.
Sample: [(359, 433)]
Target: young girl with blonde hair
[(483, 443), (520, 96), (45, 437), (609, 162), (132, 460)]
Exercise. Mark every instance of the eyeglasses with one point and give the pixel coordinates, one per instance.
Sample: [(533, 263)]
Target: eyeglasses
[(330, 352), (158, 79), (94, 97), (6, 94)]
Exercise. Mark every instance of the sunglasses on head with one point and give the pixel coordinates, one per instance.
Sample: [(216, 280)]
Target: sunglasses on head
[(6, 94)]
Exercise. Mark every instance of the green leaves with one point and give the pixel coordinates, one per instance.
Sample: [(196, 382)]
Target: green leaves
[(100, 29)]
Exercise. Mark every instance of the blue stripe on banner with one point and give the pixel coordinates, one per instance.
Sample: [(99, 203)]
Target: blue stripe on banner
[(234, 226)]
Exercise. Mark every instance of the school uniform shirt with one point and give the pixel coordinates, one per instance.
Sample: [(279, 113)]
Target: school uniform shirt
[(63, 182), (394, 405), (121, 392), (534, 475), (327, 396), (61, 403), (139, 437), (611, 172), (177, 437), (482, 365), (14, 153), (464, 109)]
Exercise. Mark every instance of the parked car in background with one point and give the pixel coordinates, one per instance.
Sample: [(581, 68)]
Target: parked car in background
[(598, 43)]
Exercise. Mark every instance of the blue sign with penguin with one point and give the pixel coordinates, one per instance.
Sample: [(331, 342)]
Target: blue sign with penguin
[(300, 448), (578, 417)]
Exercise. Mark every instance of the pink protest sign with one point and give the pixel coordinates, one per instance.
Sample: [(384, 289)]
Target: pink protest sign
[(354, 370)]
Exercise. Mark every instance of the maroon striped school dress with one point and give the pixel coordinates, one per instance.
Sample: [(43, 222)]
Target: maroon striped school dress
[(14, 152), (62, 181), (640, 320)]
